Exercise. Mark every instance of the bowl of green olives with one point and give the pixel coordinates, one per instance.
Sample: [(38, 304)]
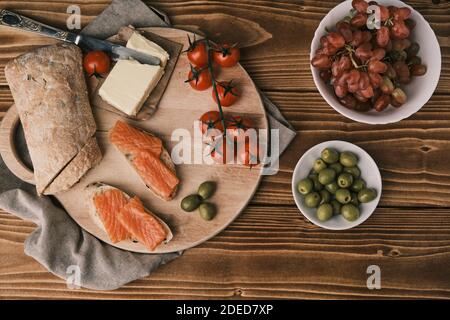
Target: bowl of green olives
[(336, 185)]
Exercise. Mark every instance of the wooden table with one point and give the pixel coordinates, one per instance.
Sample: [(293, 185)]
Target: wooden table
[(271, 251)]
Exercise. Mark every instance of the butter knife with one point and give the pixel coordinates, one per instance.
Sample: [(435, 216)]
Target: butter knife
[(12, 19)]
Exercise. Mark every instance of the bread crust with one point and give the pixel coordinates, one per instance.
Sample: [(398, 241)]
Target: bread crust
[(51, 97)]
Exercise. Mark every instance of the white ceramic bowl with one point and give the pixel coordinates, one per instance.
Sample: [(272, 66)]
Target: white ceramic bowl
[(418, 91), (369, 172)]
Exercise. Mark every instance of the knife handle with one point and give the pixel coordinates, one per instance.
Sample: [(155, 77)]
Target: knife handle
[(12, 19)]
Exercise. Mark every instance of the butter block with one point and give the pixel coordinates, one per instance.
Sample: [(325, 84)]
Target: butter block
[(139, 43), (129, 84)]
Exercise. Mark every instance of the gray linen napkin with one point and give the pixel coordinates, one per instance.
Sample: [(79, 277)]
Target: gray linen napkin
[(58, 243), (61, 246)]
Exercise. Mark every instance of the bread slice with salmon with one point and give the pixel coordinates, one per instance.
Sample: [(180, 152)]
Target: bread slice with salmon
[(146, 153), (125, 218)]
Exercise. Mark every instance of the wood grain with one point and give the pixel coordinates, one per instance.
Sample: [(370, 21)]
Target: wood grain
[(271, 251)]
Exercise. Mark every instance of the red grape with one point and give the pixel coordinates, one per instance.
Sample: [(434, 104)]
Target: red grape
[(341, 91), (357, 38), (375, 79), (411, 24), (382, 102), (384, 13), (367, 92), (325, 75), (364, 52), (359, 20), (321, 61), (336, 40), (378, 54), (383, 36), (348, 101), (399, 30), (418, 70), (367, 36), (402, 13), (344, 28), (364, 81), (401, 69), (353, 76), (360, 5), (390, 72), (377, 66)]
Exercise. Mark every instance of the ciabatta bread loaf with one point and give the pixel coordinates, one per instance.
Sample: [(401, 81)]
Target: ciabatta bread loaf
[(50, 94)]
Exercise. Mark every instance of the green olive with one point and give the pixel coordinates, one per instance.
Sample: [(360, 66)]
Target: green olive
[(190, 203), (343, 196), (367, 195), (329, 155), (325, 196), (354, 171), (345, 180), (319, 165), (350, 212), (317, 186), (327, 176), (305, 186), (324, 212), (358, 185), (332, 187), (348, 159), (206, 189), (312, 200), (354, 200), (336, 207), (207, 211), (337, 167)]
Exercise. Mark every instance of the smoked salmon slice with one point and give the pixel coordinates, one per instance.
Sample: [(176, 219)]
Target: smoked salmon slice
[(147, 155), (156, 174), (108, 205), (142, 225), (131, 140)]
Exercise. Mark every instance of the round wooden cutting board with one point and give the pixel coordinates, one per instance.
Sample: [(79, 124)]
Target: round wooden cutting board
[(179, 108)]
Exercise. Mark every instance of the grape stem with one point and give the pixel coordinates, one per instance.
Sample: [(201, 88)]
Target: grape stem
[(350, 51)]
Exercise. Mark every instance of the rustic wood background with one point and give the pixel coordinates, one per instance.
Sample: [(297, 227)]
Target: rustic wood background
[(271, 251)]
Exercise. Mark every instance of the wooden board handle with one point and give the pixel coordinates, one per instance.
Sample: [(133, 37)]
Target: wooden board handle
[(8, 152)]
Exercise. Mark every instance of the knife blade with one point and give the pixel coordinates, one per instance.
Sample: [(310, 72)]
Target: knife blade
[(12, 19), (117, 51)]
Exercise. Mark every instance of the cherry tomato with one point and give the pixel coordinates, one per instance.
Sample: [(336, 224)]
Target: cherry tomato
[(223, 151), (227, 93), (211, 124), (238, 126), (199, 79), (96, 63), (249, 153), (197, 53), (226, 55)]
